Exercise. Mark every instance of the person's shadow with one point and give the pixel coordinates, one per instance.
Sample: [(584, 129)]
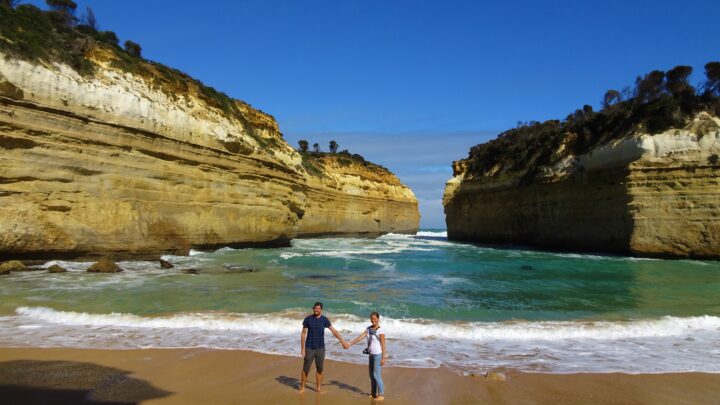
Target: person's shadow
[(348, 387), (291, 382), (294, 383), (70, 382)]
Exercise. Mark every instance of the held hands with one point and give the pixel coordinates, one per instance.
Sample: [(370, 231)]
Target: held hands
[(345, 345)]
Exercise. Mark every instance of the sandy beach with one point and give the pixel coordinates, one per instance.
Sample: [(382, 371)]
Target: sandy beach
[(194, 376)]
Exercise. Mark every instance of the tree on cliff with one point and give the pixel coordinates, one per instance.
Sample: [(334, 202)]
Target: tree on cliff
[(316, 147), (90, 20), (64, 10), (333, 146), (676, 81), (649, 87), (133, 48), (9, 3), (303, 144), (108, 37), (712, 72), (580, 115), (611, 97)]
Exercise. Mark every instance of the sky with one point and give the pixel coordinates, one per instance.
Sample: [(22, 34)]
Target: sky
[(412, 85)]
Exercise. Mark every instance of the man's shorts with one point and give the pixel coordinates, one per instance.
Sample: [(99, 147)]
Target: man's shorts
[(314, 354)]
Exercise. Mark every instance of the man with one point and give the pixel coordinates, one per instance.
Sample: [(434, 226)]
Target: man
[(312, 344)]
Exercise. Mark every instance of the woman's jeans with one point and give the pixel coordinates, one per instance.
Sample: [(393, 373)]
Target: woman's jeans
[(376, 383)]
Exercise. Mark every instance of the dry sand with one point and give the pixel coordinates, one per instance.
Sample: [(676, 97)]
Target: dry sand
[(198, 376)]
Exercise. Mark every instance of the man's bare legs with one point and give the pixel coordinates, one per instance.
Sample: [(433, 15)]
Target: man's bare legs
[(303, 378)]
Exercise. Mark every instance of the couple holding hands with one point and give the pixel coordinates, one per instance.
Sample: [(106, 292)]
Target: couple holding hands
[(312, 344)]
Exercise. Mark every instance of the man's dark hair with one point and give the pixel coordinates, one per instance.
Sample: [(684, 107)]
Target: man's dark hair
[(318, 304)]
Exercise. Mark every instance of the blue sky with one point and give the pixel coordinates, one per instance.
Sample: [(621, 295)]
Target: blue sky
[(412, 85)]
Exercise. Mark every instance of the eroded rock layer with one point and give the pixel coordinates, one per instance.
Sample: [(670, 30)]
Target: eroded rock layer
[(648, 195), (356, 198), (121, 164)]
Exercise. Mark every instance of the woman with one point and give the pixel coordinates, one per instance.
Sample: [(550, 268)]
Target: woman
[(376, 353)]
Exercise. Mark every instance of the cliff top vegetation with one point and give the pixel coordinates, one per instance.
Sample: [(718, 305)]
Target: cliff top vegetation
[(658, 101), (58, 35), (314, 156)]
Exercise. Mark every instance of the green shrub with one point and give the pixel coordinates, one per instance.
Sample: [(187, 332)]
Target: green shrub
[(712, 72), (303, 145), (108, 37), (29, 33), (659, 102), (133, 49)]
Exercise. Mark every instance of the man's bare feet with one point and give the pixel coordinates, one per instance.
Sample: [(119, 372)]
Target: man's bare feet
[(301, 390)]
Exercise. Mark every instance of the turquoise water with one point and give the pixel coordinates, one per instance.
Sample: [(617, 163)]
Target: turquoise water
[(460, 305)]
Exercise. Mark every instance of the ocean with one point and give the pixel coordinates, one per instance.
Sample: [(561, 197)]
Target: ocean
[(467, 307)]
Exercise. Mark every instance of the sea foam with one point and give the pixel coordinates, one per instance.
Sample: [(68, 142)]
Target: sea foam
[(411, 328), (441, 234), (687, 343)]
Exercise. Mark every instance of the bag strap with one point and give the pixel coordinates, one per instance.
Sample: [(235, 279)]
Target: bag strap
[(371, 332)]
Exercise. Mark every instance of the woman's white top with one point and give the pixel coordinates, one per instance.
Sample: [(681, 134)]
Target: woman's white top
[(374, 340)]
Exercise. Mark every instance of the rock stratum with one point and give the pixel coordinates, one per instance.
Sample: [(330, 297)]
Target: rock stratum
[(644, 194), (148, 161)]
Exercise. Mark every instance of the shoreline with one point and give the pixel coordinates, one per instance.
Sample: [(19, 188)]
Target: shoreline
[(82, 256), (185, 376), (36, 259), (553, 347)]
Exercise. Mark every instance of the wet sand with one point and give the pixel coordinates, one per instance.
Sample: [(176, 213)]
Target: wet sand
[(199, 376)]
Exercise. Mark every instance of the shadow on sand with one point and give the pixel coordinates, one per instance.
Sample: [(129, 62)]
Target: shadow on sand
[(291, 382), (69, 382), (294, 383), (348, 387)]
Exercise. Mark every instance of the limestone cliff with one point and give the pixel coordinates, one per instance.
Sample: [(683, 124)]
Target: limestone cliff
[(145, 161), (355, 197), (643, 194)]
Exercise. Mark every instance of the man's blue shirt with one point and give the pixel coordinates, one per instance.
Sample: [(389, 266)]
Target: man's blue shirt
[(316, 331)]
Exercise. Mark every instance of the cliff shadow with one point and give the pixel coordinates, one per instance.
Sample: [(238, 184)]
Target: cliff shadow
[(589, 212), (535, 232), (69, 382)]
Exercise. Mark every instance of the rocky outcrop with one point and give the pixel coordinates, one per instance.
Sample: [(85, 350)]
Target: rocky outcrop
[(105, 266), (648, 195), (12, 265), (56, 269), (137, 164)]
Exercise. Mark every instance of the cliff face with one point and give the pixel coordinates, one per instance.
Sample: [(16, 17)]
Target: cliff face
[(139, 164), (649, 195), (355, 198)]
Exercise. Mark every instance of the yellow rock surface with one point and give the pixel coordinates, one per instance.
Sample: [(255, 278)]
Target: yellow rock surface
[(353, 198), (649, 195), (116, 165)]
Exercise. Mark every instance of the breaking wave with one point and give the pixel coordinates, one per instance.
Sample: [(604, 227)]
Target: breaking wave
[(562, 346), (441, 234)]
